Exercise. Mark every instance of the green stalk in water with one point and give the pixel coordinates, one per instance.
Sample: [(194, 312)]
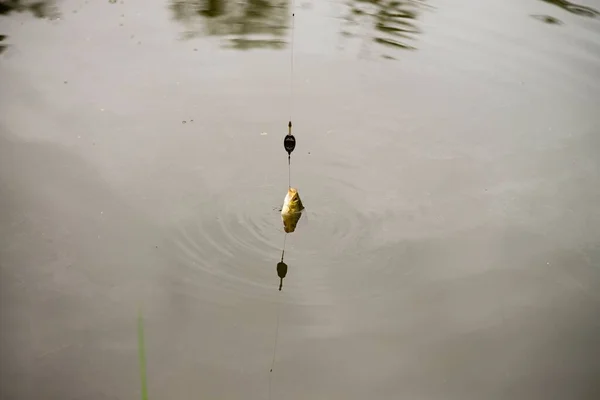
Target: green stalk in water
[(142, 355)]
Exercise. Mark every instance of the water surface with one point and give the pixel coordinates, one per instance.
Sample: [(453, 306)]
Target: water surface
[(447, 156)]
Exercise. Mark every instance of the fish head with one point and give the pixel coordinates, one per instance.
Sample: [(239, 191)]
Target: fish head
[(295, 204), (293, 194)]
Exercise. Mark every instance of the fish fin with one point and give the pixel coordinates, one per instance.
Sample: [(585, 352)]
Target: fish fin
[(303, 222)]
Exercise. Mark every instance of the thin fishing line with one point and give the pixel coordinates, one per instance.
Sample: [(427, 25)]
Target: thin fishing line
[(274, 349), (289, 185), (277, 326), (291, 87), (292, 61)]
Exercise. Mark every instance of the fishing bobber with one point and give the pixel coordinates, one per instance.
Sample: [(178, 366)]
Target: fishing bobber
[(289, 142), (281, 272)]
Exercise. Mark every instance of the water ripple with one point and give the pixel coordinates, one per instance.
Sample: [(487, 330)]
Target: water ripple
[(235, 240)]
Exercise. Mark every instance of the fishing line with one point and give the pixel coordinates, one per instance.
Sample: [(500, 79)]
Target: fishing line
[(277, 324), (292, 63), (283, 249), (274, 349), (289, 143)]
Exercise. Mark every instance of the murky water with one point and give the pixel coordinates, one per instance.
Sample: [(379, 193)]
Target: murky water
[(447, 156)]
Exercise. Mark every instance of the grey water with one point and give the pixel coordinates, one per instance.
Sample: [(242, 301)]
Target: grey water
[(448, 156)]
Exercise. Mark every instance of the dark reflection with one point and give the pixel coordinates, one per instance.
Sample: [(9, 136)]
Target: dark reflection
[(281, 270), (244, 25), (40, 9), (548, 19), (2, 45), (390, 23), (249, 24), (574, 8)]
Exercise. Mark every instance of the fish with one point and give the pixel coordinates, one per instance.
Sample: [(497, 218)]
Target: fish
[(291, 210)]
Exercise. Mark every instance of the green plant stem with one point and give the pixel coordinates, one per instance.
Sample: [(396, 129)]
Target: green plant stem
[(142, 355)]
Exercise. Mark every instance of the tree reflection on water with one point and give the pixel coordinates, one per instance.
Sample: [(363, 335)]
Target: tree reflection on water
[(249, 24), (244, 24), (574, 8), (39, 9), (390, 23), (548, 19)]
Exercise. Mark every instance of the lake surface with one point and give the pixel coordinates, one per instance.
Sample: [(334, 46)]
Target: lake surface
[(448, 156)]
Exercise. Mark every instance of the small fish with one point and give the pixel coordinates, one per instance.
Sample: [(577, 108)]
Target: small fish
[(291, 210)]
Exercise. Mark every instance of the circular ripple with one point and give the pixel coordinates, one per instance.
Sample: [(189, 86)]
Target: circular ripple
[(234, 239), (334, 223)]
